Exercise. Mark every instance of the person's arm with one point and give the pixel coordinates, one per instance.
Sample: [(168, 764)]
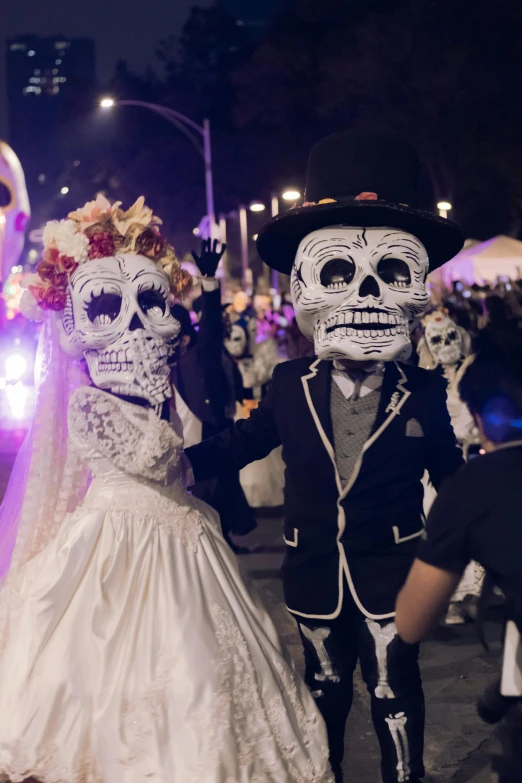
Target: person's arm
[(423, 599), (209, 346), (441, 559), (444, 457), (249, 440)]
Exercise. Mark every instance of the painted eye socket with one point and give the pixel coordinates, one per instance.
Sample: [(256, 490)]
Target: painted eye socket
[(395, 272), (152, 302), (104, 309), (337, 273), (452, 335), (436, 340)]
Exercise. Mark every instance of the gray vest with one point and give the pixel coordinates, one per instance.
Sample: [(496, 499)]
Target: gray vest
[(352, 423)]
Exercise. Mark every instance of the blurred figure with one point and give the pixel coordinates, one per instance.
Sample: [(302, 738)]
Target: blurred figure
[(476, 517), (263, 481), (206, 386), (443, 348), (14, 209)]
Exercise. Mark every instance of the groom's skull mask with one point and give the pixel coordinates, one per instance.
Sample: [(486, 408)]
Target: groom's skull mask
[(357, 291), (117, 316)]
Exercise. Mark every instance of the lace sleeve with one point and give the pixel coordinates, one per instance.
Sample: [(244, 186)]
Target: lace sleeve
[(134, 439)]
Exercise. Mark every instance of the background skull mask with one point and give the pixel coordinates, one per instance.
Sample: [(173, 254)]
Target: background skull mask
[(118, 317), (357, 291), (444, 340)]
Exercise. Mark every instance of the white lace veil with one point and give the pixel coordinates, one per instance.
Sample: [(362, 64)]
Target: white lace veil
[(46, 480)]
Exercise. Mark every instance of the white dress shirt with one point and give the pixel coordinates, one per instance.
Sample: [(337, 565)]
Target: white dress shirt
[(371, 382)]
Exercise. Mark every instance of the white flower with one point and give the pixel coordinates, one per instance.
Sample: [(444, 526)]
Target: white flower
[(69, 241), (29, 307)]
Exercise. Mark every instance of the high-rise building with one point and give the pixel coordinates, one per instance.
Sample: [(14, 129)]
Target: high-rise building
[(255, 15), (45, 78)]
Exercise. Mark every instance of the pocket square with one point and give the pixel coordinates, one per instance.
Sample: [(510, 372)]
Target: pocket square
[(414, 429)]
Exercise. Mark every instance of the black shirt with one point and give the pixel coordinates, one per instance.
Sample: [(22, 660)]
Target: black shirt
[(478, 516)]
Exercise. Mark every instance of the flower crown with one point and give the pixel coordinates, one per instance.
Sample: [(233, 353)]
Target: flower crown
[(436, 316), (100, 230)]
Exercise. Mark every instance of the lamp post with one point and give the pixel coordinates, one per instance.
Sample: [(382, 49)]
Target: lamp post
[(444, 207), (258, 206), (191, 130)]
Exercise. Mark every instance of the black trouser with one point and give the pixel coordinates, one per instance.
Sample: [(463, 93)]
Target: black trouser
[(391, 672)]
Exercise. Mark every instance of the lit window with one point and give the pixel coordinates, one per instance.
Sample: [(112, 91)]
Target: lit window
[(56, 90), (62, 45), (41, 178), (55, 71), (31, 53), (18, 47), (34, 80), (58, 62), (37, 72)]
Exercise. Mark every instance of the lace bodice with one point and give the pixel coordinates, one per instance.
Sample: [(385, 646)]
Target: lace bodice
[(135, 460), (132, 438)]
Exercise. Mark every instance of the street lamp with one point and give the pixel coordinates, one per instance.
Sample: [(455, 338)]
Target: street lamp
[(291, 195), (444, 207), (257, 206), (187, 127)]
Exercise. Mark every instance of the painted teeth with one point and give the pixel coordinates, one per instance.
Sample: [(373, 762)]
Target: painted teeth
[(338, 326)]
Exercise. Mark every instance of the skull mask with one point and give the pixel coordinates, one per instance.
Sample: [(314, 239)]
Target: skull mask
[(237, 341), (118, 317), (443, 339), (356, 291)]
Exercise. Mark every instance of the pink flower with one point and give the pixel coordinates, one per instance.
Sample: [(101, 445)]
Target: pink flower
[(101, 245), (367, 196), (97, 211)]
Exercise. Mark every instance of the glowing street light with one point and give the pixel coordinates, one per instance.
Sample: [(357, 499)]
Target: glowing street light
[(15, 367), (444, 207), (192, 131), (291, 195), (257, 206), (64, 191)]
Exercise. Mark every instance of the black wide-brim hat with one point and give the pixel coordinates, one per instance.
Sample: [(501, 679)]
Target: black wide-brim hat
[(368, 181)]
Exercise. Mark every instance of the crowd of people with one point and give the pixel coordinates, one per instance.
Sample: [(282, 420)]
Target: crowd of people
[(131, 647)]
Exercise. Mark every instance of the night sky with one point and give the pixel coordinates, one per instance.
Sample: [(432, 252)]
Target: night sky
[(129, 29)]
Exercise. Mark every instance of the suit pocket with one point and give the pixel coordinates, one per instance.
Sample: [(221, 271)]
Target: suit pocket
[(414, 429), (290, 535)]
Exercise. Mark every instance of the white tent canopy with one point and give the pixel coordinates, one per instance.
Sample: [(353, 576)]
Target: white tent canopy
[(482, 263)]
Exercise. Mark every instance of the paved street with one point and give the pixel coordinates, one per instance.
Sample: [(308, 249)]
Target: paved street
[(455, 670)]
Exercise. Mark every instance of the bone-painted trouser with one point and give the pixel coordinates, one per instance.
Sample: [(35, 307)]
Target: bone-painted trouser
[(391, 672)]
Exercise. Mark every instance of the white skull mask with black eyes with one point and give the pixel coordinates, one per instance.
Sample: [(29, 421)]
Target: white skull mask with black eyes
[(443, 339), (357, 291), (118, 317), (237, 341)]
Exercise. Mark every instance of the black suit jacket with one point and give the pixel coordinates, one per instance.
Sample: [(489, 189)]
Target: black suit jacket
[(364, 534)]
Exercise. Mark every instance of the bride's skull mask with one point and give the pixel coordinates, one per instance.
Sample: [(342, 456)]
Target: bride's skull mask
[(117, 316), (357, 291)]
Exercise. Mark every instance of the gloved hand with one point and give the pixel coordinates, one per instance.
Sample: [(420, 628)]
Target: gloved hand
[(211, 255)]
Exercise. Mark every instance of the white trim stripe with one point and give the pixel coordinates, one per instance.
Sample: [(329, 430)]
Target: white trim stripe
[(344, 568)]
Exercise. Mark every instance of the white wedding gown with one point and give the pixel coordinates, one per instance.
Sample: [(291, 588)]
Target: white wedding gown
[(135, 652)]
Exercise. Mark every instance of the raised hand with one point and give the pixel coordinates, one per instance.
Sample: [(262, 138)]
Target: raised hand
[(211, 254)]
